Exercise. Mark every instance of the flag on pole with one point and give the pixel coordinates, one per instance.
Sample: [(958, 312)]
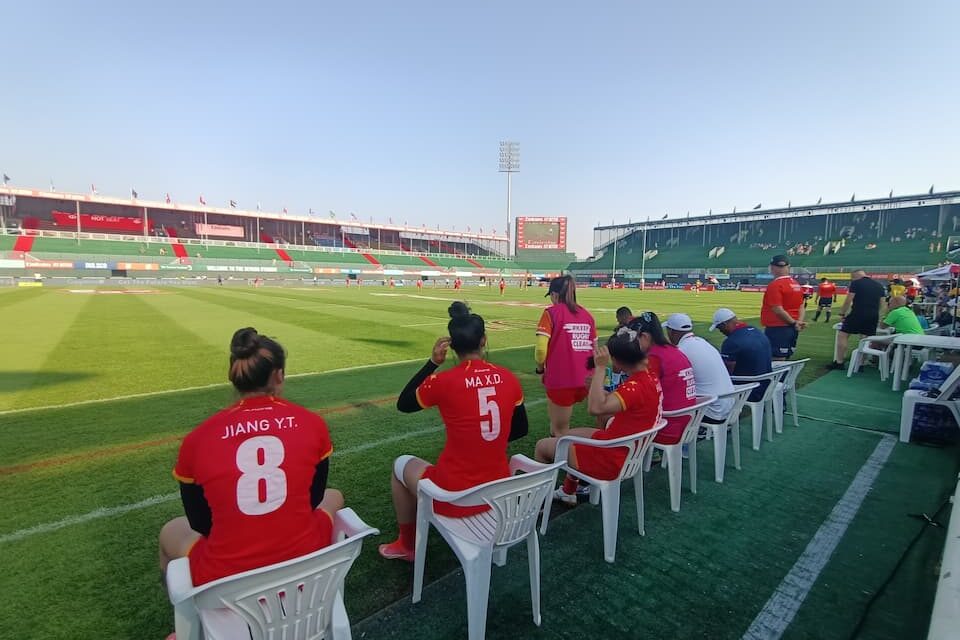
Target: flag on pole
[(481, 229), (168, 198), (890, 195), (233, 204), (284, 211), (820, 199), (333, 216), (258, 206), (759, 204), (52, 188), (93, 189), (354, 216), (468, 228), (202, 201), (6, 179), (391, 220), (853, 197), (931, 190), (310, 211), (133, 192)]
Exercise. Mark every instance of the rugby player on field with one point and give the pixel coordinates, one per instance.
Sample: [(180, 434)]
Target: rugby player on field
[(826, 292), (482, 409), (253, 477)]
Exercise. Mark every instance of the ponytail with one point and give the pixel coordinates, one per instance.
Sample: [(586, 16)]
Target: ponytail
[(253, 359)]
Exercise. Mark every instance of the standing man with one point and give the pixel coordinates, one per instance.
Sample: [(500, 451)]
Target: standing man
[(503, 285), (782, 311), (825, 295), (860, 313)]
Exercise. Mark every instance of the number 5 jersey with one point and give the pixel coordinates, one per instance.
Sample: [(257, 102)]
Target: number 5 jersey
[(255, 462)]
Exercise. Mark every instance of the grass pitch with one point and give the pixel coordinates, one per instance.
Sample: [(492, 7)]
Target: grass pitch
[(97, 390)]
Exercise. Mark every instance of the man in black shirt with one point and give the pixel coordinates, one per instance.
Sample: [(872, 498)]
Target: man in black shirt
[(860, 313)]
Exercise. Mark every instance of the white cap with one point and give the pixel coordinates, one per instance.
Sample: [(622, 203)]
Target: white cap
[(679, 322), (720, 316)]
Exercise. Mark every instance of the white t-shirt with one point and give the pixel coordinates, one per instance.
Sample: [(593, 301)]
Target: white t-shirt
[(709, 373)]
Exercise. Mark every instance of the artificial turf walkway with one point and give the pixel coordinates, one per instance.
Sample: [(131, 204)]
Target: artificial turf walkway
[(707, 571)]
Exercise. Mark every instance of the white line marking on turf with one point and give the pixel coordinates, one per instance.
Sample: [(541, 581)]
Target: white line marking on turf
[(106, 512), (778, 612), (214, 385), (849, 404)]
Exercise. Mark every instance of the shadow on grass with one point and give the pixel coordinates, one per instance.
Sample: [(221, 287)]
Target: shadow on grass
[(385, 343), (14, 381)]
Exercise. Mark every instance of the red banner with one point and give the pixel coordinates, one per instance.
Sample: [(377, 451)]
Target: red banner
[(92, 221)]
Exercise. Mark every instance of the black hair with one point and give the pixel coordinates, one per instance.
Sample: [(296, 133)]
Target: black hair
[(648, 322), (823, 279), (466, 329), (253, 359), (566, 289), (625, 350), (624, 311)]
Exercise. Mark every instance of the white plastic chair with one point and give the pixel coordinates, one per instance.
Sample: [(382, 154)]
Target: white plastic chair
[(482, 539), (732, 426), (673, 453), (299, 599), (762, 410), (914, 397), (787, 387), (606, 493), (884, 355)]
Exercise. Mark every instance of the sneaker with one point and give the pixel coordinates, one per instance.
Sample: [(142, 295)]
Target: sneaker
[(396, 551), (569, 499), (583, 490), (833, 366)]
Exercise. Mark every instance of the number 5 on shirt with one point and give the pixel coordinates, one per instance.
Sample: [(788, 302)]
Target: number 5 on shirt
[(489, 429)]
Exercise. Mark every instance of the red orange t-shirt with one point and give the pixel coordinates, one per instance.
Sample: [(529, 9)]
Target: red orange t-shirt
[(827, 290), (784, 292), (256, 461), (476, 401)]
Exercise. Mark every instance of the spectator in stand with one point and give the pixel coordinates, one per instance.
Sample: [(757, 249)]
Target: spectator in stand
[(913, 290), (709, 372), (672, 368), (745, 350), (825, 295), (782, 309), (860, 313), (901, 317), (922, 319), (566, 336)]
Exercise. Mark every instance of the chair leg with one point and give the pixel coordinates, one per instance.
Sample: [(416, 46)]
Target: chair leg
[(420, 553), (339, 621), (610, 512), (500, 556), (545, 516), (793, 406), (756, 414), (719, 451), (769, 418), (735, 439), (638, 494), (692, 464), (778, 408), (884, 363), (533, 560), (648, 458), (476, 571), (854, 366), (675, 473), (906, 417)]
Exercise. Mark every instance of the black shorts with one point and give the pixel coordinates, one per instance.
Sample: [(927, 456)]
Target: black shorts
[(860, 325), (783, 340), (825, 302)]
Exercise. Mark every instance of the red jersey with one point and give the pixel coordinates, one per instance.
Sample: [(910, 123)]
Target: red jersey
[(913, 291), (255, 461), (784, 292), (476, 401), (827, 290)]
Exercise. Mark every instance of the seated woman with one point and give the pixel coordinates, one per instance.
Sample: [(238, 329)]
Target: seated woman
[(635, 406), (253, 477), (477, 400)]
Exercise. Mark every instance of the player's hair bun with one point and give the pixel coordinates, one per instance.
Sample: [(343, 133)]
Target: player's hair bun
[(245, 343), (458, 310)]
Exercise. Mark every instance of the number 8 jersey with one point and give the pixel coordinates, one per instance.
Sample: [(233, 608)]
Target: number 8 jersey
[(476, 401), (256, 462)]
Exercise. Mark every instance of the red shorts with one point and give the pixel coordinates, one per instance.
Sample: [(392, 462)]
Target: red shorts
[(567, 397), (205, 569), (445, 508), (603, 464)]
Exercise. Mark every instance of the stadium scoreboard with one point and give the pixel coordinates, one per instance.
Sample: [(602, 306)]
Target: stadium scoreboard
[(542, 233)]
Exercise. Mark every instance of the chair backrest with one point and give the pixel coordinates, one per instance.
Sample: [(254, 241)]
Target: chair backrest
[(739, 394), (949, 386), (772, 378), (695, 411), (516, 501), (793, 367), (292, 600), (637, 444)]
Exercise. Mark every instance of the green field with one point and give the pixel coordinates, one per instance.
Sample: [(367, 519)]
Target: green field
[(97, 390)]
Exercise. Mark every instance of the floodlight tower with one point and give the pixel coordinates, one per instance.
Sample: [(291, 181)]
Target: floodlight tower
[(509, 164)]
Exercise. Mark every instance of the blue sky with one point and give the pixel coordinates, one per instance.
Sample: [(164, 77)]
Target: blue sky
[(623, 110)]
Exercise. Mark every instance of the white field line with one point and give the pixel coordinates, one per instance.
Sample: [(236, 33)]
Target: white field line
[(780, 609), (214, 385), (106, 512), (844, 402)]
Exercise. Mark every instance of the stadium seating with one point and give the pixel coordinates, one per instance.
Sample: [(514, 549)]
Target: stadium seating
[(607, 492), (304, 593)]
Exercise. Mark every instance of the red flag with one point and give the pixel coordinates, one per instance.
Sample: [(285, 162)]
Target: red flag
[(168, 198), (202, 201)]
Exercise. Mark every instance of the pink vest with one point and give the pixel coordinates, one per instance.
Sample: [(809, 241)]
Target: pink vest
[(571, 344), (679, 387)]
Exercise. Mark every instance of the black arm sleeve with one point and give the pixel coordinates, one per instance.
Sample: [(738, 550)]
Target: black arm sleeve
[(519, 424), (319, 484), (407, 402), (196, 507)]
